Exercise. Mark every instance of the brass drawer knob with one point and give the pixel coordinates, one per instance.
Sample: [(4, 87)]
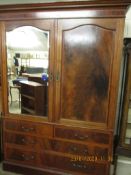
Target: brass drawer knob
[(73, 149), (27, 129), (27, 141), (81, 137), (79, 166), (85, 151), (27, 158)]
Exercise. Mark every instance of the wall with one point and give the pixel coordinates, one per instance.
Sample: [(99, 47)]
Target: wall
[(29, 1), (127, 32)]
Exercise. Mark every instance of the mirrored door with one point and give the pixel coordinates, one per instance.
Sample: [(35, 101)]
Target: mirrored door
[(29, 56)]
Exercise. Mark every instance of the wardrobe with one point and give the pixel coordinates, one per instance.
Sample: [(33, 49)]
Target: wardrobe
[(83, 51)]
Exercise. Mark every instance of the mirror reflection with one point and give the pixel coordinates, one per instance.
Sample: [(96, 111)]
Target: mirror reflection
[(27, 65), (127, 42)]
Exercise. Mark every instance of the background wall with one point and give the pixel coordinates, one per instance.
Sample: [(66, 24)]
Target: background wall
[(30, 1), (128, 24)]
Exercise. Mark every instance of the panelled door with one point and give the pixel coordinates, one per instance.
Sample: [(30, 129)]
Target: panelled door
[(86, 78)]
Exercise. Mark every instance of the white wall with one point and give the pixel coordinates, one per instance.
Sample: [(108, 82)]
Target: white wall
[(127, 32), (30, 1)]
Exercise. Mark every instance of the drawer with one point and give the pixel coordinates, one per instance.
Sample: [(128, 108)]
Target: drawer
[(82, 135), (21, 156), (21, 140), (66, 163), (29, 127), (75, 148), (55, 145)]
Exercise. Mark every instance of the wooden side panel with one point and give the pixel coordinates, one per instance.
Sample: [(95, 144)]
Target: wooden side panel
[(0, 99)]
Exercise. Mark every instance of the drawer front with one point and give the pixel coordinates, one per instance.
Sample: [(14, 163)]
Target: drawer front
[(29, 127), (66, 163), (75, 148), (42, 144), (21, 126), (21, 140), (82, 135), (20, 156)]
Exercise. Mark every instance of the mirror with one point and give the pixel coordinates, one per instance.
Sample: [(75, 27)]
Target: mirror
[(127, 115), (27, 65)]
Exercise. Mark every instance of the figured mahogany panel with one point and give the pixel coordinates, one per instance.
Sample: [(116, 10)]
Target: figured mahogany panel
[(86, 60)]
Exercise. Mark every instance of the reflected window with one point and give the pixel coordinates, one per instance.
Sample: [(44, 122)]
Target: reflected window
[(27, 65)]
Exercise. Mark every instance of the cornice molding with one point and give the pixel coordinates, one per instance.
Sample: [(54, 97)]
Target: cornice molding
[(70, 9), (67, 5)]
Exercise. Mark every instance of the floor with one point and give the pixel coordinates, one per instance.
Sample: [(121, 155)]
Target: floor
[(6, 172), (123, 166)]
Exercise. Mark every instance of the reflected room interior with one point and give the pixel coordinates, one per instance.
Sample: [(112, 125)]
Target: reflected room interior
[(27, 65)]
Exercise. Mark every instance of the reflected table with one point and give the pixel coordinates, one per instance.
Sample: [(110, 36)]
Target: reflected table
[(19, 91)]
